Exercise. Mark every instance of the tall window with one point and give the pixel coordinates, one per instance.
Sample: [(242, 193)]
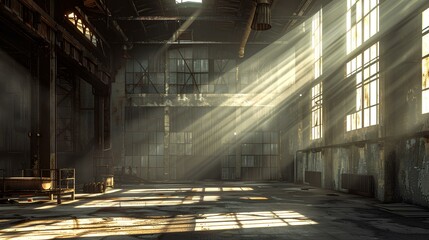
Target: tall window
[(425, 62), (317, 43), (316, 111), (364, 69), (316, 91), (362, 22)]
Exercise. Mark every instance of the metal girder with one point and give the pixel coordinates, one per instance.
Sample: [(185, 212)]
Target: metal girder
[(303, 7), (202, 100), (133, 6), (198, 18), (167, 42), (190, 71)]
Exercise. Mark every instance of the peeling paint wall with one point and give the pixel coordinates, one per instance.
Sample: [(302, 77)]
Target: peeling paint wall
[(341, 164), (413, 171)]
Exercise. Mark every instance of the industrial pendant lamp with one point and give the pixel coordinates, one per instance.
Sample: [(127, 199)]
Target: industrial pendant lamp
[(262, 18)]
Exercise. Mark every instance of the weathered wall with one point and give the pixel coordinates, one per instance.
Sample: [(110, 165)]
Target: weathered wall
[(15, 109), (196, 119), (406, 153), (413, 171), (393, 152)]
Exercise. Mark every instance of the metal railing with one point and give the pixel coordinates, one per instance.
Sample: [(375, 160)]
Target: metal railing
[(53, 181)]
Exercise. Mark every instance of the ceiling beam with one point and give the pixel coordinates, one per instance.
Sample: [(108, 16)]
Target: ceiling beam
[(199, 18), (302, 9), (133, 6)]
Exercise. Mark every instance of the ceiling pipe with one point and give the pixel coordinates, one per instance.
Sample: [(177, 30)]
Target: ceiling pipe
[(262, 18), (247, 31)]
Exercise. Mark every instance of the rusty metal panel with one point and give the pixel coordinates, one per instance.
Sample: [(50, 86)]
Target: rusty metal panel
[(313, 178), (358, 184)]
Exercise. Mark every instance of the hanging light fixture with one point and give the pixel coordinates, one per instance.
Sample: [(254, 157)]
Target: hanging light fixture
[(262, 18)]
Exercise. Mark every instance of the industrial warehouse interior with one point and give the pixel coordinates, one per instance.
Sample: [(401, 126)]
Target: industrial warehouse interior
[(214, 119)]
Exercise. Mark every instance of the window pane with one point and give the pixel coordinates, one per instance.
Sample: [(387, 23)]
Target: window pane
[(425, 19), (374, 22), (354, 37), (374, 3), (366, 30), (359, 120), (425, 47), (425, 73), (373, 69), (365, 7), (374, 51), (349, 42), (425, 101), (374, 115), (366, 57), (349, 68), (358, 11), (359, 99), (366, 95), (373, 92), (358, 77), (366, 74), (366, 117), (349, 23), (359, 34), (354, 64), (348, 127), (425, 63), (359, 62)]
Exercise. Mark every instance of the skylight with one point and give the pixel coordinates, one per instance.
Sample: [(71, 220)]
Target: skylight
[(188, 1)]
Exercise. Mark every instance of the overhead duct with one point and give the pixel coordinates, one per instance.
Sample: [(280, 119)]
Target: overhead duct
[(262, 18), (247, 31)]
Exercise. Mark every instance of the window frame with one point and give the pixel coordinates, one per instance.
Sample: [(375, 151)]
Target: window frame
[(317, 89), (425, 62), (364, 69)]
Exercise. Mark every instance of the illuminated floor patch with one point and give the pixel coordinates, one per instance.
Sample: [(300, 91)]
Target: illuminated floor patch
[(122, 226)]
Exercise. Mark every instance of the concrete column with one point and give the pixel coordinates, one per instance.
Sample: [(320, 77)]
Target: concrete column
[(47, 108), (237, 143), (167, 174), (34, 134), (99, 132)]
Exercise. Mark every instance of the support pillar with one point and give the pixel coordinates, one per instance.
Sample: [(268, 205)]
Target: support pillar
[(167, 174), (34, 134), (99, 133), (47, 108), (43, 112), (237, 143)]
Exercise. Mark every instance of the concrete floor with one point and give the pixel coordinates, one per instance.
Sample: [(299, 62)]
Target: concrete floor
[(211, 210)]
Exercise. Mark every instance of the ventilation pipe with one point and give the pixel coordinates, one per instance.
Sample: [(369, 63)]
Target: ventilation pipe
[(262, 18), (259, 19), (247, 31)]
